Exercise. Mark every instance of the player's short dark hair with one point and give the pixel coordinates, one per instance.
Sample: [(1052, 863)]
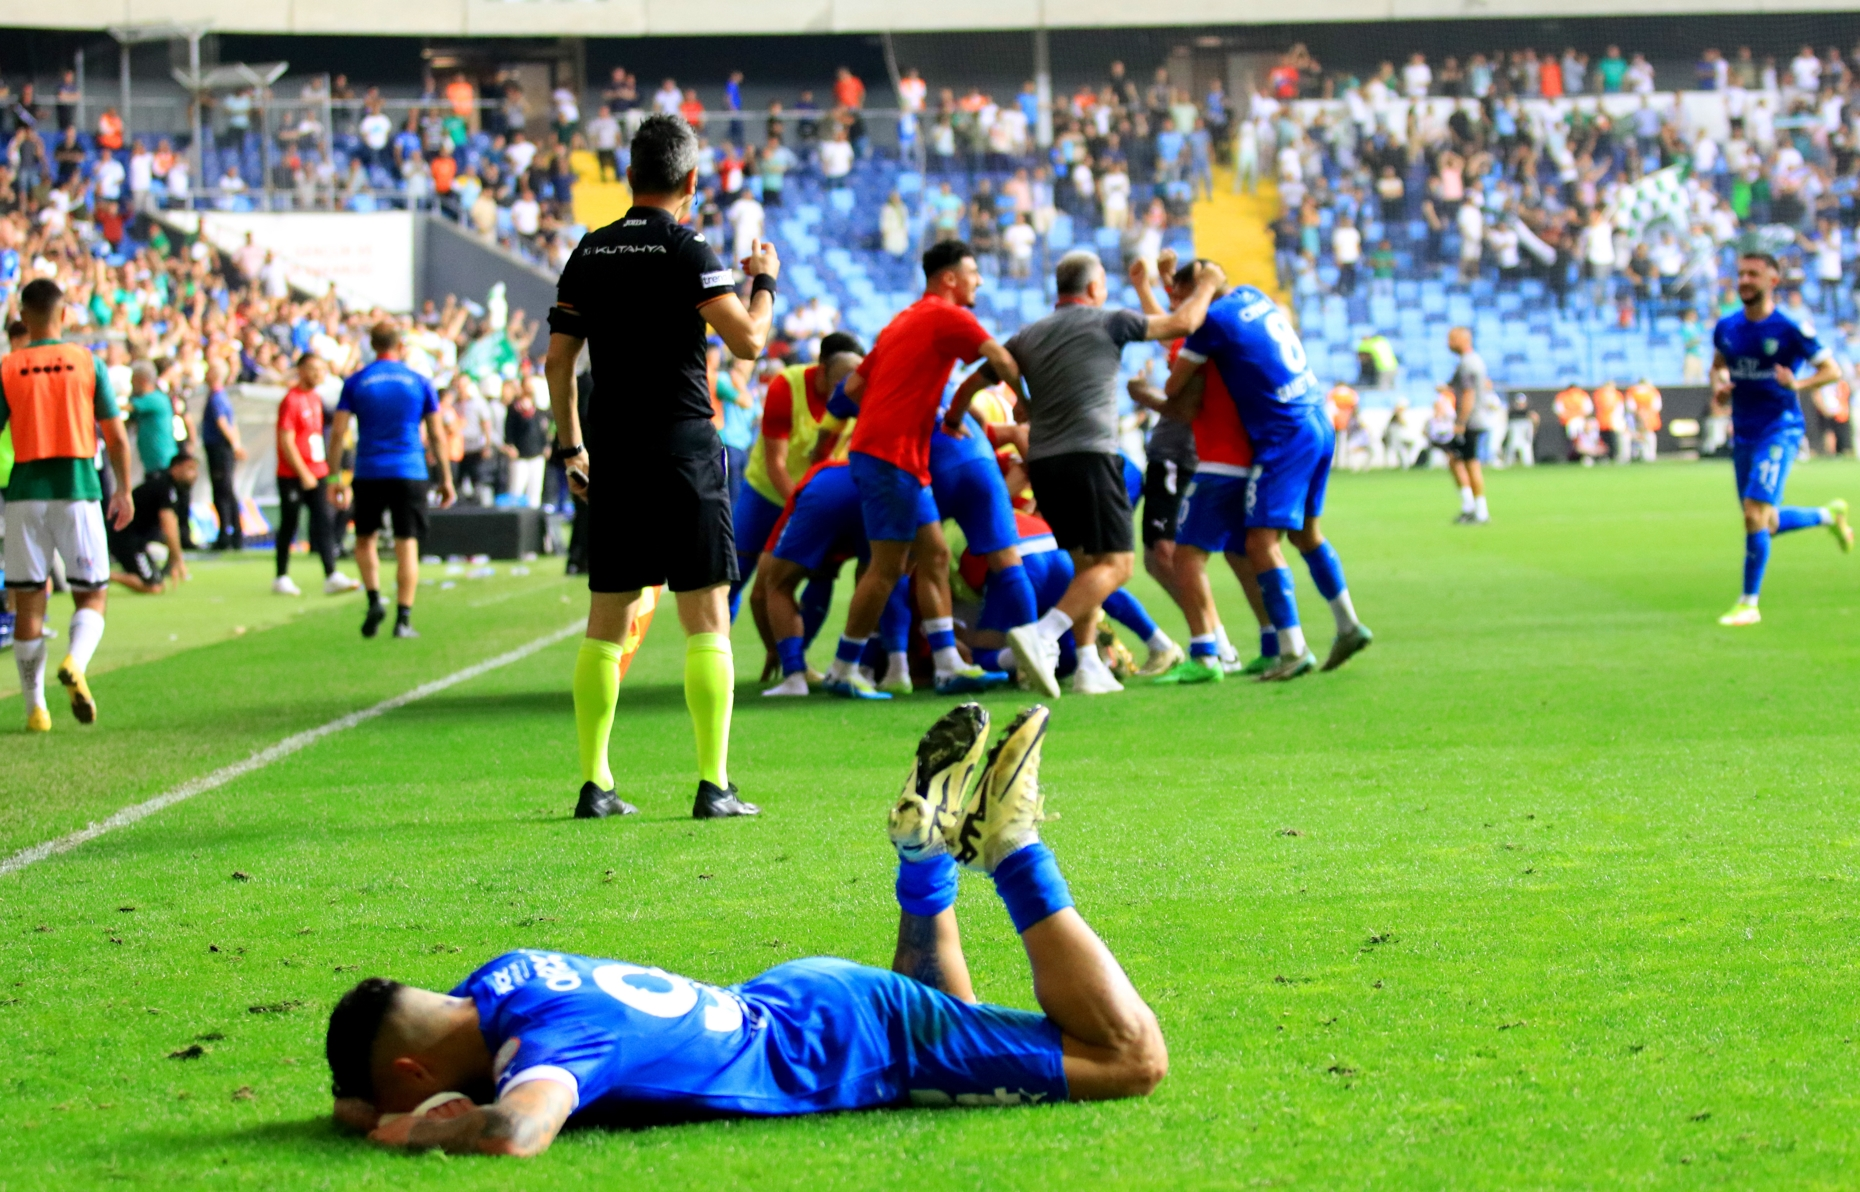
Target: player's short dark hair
[(838, 344), (182, 456), (41, 297), (1767, 258), (665, 150), (16, 328), (383, 337), (1184, 278), (353, 1026), (945, 254), (1076, 271)]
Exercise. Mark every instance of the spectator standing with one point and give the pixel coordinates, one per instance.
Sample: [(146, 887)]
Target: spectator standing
[(1416, 77), (1346, 246), (604, 136), (526, 439), (667, 98), (836, 159), (1612, 71), (746, 218), (848, 90), (894, 226)]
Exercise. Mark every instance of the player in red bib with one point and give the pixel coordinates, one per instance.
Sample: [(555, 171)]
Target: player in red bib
[(897, 391)]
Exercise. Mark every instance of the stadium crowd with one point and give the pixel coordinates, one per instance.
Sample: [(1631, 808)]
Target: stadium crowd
[(177, 323)]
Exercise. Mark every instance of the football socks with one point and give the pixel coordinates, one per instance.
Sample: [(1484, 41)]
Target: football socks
[(1029, 883), (927, 888), (1013, 592), (1789, 517), (597, 686), (1756, 558), (29, 659), (710, 694), (86, 633), (1127, 610)]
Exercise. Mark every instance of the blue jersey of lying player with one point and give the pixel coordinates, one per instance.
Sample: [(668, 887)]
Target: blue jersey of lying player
[(1262, 362), (808, 1036), (1761, 405)]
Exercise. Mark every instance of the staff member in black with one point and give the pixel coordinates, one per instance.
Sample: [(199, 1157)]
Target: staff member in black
[(648, 462)]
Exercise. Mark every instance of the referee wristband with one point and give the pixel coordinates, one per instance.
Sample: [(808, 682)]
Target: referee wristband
[(762, 283), (562, 455)]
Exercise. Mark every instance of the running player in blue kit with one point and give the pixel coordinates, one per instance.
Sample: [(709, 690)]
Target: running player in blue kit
[(1758, 351), (1262, 363), (548, 1036)]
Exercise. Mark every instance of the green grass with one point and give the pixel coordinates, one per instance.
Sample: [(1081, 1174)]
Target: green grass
[(1571, 900)]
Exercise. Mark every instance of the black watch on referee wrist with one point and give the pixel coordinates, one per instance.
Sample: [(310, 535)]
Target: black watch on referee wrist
[(562, 455)]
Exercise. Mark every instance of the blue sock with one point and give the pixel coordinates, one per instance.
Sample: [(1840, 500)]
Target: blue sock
[(850, 648), (1326, 570), (1029, 883), (1796, 517), (874, 655), (927, 888), (793, 652), (1756, 558), (1068, 655), (1011, 592), (894, 624), (1276, 587), (816, 599), (995, 660), (1268, 643), (1126, 609), (1203, 647)]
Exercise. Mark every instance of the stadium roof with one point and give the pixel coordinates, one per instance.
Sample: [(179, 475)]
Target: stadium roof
[(622, 18)]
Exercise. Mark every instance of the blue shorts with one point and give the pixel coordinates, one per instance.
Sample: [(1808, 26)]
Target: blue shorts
[(754, 517), (1050, 573), (905, 1042), (975, 495), (1133, 480), (1762, 465), (826, 515), (893, 502), (1290, 475), (1212, 515)]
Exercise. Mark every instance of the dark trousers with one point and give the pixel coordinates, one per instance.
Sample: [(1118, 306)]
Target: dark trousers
[(291, 498), (220, 467)]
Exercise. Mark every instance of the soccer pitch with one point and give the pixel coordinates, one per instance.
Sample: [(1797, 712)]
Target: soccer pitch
[(1553, 887)]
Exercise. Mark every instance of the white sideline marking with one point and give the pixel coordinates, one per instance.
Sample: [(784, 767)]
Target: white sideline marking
[(283, 749)]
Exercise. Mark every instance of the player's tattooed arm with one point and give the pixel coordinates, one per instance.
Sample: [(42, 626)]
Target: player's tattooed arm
[(522, 1122)]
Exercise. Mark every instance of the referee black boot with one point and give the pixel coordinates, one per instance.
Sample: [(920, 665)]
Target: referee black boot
[(596, 803), (718, 803)]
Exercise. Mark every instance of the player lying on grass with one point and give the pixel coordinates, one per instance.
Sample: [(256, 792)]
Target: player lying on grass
[(559, 1036)]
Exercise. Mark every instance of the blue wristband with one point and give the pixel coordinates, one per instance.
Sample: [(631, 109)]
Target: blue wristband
[(841, 406)]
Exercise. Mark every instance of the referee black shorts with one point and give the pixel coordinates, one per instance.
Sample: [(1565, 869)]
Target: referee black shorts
[(1163, 482), (401, 501), (659, 511), (1082, 496)]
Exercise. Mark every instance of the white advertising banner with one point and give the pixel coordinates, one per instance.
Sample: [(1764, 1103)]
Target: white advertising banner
[(368, 255)]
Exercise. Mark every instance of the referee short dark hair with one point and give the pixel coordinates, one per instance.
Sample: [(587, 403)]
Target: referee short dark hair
[(945, 254), (838, 344), (665, 150)]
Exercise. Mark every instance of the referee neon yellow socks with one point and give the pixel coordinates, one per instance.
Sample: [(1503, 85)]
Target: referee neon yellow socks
[(597, 686), (710, 693)]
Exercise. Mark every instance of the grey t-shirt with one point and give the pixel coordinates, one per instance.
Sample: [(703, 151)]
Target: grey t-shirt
[(1070, 360), (1471, 375)]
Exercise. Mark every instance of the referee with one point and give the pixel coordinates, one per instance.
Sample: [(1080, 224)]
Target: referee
[(648, 461)]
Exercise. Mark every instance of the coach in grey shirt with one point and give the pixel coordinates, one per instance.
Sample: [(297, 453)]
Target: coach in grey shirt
[(1469, 390), (1069, 361)]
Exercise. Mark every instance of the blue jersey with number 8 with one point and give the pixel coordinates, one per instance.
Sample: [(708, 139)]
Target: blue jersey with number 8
[(1261, 360)]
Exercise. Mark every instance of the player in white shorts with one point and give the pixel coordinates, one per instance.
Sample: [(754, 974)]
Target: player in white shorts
[(57, 399)]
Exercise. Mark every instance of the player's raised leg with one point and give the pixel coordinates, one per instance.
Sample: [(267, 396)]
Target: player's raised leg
[(948, 759), (1112, 1044)]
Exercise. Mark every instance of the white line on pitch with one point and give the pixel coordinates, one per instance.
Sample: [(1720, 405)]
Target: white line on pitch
[(283, 749)]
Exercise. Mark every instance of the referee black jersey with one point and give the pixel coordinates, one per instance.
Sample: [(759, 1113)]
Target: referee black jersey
[(632, 290)]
